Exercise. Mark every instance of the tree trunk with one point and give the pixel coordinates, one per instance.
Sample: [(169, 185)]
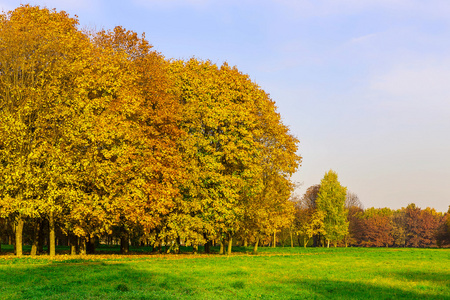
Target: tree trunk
[(35, 238), (18, 229), (328, 243), (245, 242), (124, 244), (82, 245), (90, 247), (178, 245), (305, 242), (51, 234), (41, 239), (208, 247), (255, 248), (292, 239), (230, 244), (221, 247), (274, 239), (73, 244)]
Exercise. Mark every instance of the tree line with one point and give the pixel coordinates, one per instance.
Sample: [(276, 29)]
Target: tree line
[(102, 137), (409, 226)]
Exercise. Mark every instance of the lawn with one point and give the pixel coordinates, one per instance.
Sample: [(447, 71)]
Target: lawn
[(281, 273)]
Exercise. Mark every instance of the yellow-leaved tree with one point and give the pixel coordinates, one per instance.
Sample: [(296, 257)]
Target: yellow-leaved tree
[(41, 55)]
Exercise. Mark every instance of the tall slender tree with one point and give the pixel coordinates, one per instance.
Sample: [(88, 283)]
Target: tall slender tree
[(331, 200)]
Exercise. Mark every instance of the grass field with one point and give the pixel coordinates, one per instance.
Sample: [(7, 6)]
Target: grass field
[(281, 273)]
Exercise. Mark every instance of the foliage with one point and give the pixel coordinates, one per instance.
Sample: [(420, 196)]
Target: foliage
[(331, 200), (101, 136)]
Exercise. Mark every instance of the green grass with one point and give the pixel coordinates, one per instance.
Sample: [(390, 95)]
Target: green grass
[(281, 273)]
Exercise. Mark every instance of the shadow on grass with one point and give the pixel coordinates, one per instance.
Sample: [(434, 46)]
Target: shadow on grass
[(335, 289), (90, 280), (441, 278)]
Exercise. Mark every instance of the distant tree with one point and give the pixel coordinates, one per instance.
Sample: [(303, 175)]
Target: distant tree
[(430, 220), (331, 201), (355, 226), (443, 231), (352, 200), (309, 223), (413, 225), (377, 227), (398, 220), (421, 226), (310, 197)]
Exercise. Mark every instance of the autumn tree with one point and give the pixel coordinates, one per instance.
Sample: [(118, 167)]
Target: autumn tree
[(234, 138), (398, 221), (420, 226), (309, 223), (214, 152), (41, 54), (352, 200), (443, 231), (309, 199), (139, 154), (356, 232), (331, 200), (305, 209), (377, 227)]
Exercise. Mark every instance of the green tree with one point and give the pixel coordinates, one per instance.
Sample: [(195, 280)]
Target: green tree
[(331, 200)]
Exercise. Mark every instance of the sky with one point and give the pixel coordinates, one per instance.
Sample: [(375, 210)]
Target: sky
[(364, 85)]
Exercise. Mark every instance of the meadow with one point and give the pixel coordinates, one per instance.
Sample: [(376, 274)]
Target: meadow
[(275, 273)]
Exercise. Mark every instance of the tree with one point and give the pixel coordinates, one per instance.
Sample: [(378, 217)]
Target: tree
[(309, 223), (140, 158), (443, 232), (310, 197), (236, 150), (331, 201), (420, 226), (398, 220), (355, 226), (377, 227), (42, 55), (352, 200)]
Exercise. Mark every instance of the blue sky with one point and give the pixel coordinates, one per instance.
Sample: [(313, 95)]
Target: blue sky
[(364, 85)]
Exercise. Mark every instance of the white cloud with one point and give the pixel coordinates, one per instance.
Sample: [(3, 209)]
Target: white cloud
[(363, 39)]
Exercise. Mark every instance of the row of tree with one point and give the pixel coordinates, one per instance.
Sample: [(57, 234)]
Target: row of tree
[(373, 227), (102, 137)]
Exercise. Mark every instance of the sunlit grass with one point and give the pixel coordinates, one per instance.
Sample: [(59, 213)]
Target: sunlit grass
[(281, 273)]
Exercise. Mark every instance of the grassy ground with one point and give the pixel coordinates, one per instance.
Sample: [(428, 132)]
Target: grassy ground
[(281, 273)]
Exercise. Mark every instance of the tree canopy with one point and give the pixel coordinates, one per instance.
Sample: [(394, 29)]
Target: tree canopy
[(101, 136)]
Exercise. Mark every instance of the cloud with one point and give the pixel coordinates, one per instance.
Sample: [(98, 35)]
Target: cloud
[(363, 39)]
